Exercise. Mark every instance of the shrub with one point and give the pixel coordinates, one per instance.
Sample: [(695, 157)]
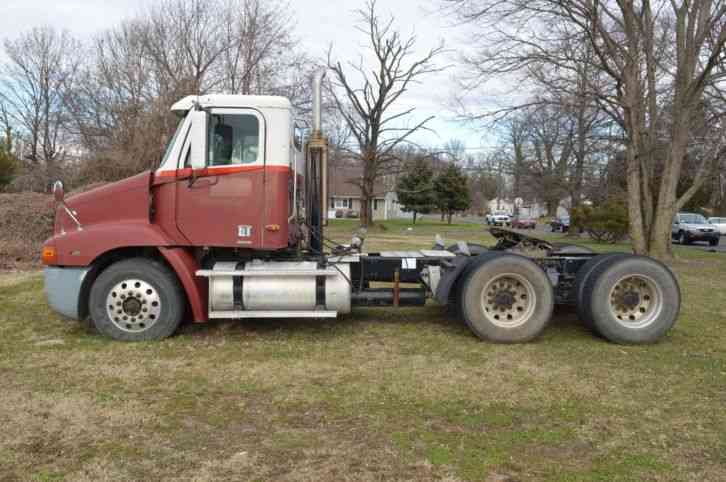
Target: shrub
[(605, 223), (26, 220)]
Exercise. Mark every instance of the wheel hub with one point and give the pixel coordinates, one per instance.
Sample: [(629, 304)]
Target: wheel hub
[(504, 299), (133, 305), (508, 300), (631, 300), (635, 301)]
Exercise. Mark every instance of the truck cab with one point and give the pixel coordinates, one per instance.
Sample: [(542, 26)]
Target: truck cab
[(230, 172)]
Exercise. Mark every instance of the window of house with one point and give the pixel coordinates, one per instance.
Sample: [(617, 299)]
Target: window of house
[(233, 139), (342, 203)]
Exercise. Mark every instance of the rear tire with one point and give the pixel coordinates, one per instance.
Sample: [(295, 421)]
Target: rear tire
[(584, 274), (136, 300), (506, 298), (683, 238), (632, 299), (713, 242)]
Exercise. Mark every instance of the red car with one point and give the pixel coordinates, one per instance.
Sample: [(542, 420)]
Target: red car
[(524, 223)]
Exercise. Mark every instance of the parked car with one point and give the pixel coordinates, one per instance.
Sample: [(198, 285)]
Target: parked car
[(561, 224), (499, 218), (689, 227), (523, 223), (719, 223)]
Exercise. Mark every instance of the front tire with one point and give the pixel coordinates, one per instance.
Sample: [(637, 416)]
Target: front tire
[(632, 299), (136, 300), (683, 238), (713, 242), (506, 298)]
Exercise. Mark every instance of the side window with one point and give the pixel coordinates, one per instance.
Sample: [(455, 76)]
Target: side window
[(233, 139)]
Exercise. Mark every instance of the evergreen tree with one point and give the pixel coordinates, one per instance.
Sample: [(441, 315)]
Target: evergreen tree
[(452, 191), (415, 188)]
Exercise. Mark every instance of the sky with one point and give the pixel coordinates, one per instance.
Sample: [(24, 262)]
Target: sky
[(320, 24)]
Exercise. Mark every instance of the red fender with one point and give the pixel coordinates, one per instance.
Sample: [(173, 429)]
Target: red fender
[(186, 266)]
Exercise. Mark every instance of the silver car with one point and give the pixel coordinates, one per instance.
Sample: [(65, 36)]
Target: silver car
[(689, 227)]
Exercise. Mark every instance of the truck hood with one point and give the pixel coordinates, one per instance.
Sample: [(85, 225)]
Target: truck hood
[(124, 200)]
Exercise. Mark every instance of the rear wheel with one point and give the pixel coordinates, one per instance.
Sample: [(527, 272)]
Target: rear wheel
[(713, 242), (683, 238), (584, 274), (506, 298), (632, 299), (136, 300)]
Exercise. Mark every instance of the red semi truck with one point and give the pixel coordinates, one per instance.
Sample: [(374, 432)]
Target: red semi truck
[(231, 225)]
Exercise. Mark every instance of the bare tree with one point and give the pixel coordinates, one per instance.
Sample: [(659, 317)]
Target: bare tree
[(654, 63), (258, 38), (368, 109), (40, 70), (178, 47)]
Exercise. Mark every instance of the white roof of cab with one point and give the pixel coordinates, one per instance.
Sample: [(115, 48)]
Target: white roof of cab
[(227, 100)]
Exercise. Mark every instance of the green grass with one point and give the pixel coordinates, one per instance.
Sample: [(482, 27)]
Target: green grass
[(381, 394)]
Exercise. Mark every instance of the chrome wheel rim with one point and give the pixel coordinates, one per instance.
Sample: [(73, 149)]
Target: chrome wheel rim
[(508, 300), (635, 301), (133, 305)]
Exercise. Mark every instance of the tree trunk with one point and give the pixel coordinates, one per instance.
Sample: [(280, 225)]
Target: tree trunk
[(364, 218), (443, 215), (551, 205), (414, 217), (449, 215)]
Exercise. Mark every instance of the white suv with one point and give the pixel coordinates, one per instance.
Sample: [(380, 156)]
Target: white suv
[(719, 224), (499, 218)]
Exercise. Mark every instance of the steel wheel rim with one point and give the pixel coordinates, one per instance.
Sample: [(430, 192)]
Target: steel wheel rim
[(133, 305), (635, 301), (508, 300)]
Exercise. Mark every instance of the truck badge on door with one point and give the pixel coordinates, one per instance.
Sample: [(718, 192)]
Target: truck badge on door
[(244, 231)]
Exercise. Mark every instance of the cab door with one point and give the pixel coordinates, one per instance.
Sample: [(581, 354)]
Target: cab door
[(220, 200)]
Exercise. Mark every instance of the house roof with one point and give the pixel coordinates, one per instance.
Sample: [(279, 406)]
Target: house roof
[(340, 177)]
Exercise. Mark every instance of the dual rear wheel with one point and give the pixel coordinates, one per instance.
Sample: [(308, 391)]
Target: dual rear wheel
[(507, 298), (626, 298)]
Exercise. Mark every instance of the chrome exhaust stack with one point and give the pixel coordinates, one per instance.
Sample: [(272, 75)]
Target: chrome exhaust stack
[(316, 171), (317, 102)]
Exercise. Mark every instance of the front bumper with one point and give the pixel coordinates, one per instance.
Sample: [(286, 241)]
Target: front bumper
[(63, 289), (701, 236)]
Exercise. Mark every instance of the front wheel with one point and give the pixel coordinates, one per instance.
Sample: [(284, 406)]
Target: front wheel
[(713, 242), (683, 238), (136, 300), (506, 298)]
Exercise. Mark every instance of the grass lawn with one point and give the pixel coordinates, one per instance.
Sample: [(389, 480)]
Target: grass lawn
[(381, 394)]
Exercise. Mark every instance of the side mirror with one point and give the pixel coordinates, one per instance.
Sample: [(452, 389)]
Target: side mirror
[(58, 191)]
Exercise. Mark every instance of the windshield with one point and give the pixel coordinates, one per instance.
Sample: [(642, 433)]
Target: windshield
[(692, 219), (170, 145)]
